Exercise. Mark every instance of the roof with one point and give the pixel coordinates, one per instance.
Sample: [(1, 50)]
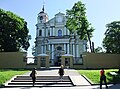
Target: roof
[(43, 55), (67, 55), (60, 13)]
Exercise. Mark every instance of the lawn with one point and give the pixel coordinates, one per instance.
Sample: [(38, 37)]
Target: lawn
[(7, 74), (94, 75)]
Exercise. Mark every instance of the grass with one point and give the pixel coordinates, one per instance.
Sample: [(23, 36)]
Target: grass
[(7, 74), (94, 75)]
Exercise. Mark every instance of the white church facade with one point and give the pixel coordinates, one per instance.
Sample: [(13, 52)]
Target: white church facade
[(54, 40)]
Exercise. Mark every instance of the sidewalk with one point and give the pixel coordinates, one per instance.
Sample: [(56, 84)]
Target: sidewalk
[(78, 80)]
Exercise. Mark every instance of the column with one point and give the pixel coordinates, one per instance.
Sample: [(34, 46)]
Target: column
[(68, 32), (73, 50), (68, 48), (49, 47), (64, 31), (46, 31), (43, 33), (53, 31), (77, 53), (65, 47), (42, 49), (50, 32), (52, 51)]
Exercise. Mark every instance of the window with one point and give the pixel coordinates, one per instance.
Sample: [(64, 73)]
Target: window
[(59, 32), (41, 17), (48, 32), (40, 32), (59, 48)]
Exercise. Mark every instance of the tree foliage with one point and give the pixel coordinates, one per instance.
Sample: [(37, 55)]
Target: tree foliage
[(111, 42), (13, 32), (77, 21), (98, 50)]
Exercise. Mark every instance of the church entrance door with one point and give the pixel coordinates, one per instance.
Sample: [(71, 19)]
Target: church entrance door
[(58, 61)]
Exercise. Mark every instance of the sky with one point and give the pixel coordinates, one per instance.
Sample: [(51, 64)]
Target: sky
[(99, 13)]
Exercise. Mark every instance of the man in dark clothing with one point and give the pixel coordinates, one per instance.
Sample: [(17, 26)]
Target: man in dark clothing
[(103, 78), (61, 72), (33, 75)]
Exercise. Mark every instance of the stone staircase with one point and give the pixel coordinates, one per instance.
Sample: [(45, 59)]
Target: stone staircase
[(41, 81)]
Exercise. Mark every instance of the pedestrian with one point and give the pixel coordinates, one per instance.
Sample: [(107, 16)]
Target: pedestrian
[(61, 72), (102, 78), (33, 75)]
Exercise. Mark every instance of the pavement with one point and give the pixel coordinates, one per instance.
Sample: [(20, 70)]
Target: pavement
[(79, 81)]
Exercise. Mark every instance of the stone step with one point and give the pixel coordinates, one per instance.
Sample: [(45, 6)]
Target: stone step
[(47, 85), (41, 78), (40, 81)]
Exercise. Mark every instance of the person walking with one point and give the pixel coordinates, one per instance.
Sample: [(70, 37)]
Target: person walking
[(102, 78), (33, 75), (61, 72)]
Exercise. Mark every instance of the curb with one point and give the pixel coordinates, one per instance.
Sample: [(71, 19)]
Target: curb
[(88, 80)]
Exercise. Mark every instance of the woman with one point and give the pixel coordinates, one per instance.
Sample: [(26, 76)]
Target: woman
[(61, 72), (33, 75)]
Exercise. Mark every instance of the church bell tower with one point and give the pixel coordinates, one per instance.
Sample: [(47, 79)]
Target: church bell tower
[(42, 16)]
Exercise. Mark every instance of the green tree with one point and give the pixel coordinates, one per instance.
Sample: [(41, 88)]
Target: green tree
[(13, 32), (77, 22), (111, 42)]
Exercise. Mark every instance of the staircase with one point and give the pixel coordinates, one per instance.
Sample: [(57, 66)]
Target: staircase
[(41, 81)]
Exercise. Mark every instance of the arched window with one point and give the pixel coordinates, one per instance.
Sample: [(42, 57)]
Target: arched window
[(40, 32), (59, 48), (59, 32)]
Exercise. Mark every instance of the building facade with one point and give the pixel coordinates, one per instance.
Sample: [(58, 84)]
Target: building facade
[(55, 40)]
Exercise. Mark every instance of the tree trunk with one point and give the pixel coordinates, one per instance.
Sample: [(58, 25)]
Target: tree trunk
[(89, 41)]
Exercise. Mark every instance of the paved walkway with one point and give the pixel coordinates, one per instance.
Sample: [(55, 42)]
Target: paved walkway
[(76, 87), (78, 80)]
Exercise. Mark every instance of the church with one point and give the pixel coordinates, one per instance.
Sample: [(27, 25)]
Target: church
[(53, 39)]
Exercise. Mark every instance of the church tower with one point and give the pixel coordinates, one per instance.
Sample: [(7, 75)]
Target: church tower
[(41, 32), (42, 16), (41, 23)]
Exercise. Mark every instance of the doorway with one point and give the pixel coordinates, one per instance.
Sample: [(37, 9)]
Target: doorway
[(58, 61), (43, 62), (67, 62)]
